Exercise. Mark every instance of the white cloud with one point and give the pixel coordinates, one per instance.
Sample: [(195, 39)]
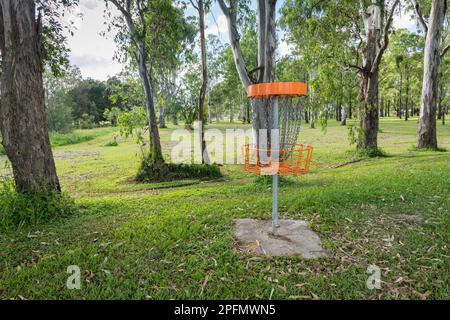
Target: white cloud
[(89, 4), (219, 26), (90, 51), (285, 48), (405, 21)]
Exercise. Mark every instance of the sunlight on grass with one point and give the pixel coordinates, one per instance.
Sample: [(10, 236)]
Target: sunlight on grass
[(160, 240)]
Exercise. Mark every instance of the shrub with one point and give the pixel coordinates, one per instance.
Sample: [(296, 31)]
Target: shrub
[(151, 171), (30, 209), (113, 143)]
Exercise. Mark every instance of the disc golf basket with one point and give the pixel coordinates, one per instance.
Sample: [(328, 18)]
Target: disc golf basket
[(277, 109)]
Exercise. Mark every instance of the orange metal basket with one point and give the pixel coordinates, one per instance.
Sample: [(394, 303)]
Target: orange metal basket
[(291, 162)]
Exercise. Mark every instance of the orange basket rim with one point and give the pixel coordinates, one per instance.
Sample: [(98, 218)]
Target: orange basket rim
[(298, 146), (271, 89)]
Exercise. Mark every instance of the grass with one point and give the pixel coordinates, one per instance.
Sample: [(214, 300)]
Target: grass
[(77, 136), (74, 137), (175, 239)]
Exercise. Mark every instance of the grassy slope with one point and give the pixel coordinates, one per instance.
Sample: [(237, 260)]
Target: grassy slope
[(157, 241)]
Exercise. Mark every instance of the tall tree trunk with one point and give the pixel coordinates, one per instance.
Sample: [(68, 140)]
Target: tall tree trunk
[(162, 118), (407, 94), (266, 11), (155, 142), (432, 61), (400, 95), (368, 96), (377, 43), (22, 109), (202, 95)]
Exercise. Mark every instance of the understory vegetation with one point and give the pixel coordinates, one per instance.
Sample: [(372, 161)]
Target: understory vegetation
[(175, 239), (18, 210), (149, 171)]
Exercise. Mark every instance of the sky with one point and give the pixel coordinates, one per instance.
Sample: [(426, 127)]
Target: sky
[(93, 53)]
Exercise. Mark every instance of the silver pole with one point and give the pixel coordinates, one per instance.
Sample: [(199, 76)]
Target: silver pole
[(276, 157)]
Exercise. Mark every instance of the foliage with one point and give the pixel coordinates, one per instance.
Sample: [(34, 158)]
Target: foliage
[(112, 115), (149, 171), (134, 123), (19, 210)]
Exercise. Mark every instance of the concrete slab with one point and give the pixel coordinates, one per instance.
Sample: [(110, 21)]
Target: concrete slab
[(294, 238)]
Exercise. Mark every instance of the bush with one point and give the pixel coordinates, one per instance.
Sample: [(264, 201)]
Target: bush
[(31, 209), (113, 143), (2, 150), (151, 171)]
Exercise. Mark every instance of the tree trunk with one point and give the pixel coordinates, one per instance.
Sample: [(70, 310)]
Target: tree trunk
[(432, 61), (266, 12), (400, 95), (22, 111), (407, 94), (368, 111), (202, 95), (155, 142), (162, 118)]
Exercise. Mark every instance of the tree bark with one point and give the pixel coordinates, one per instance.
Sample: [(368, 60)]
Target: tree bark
[(407, 94), (377, 42), (22, 109), (202, 95), (266, 11), (432, 61), (144, 73)]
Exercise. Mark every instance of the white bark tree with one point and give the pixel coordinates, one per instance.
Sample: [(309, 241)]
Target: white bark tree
[(265, 72), (427, 137)]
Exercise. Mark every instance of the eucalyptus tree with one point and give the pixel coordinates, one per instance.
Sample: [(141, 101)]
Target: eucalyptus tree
[(234, 11), (201, 6), (30, 35), (433, 55), (147, 32), (351, 35)]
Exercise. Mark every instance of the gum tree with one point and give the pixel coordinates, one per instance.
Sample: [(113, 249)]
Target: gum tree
[(30, 34), (433, 55)]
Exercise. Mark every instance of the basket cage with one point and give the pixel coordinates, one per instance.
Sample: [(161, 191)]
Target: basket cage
[(276, 152)]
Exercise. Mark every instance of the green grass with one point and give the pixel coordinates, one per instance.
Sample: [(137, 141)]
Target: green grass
[(77, 136), (74, 137), (175, 239)]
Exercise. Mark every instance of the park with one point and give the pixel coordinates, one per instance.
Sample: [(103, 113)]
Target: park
[(314, 152)]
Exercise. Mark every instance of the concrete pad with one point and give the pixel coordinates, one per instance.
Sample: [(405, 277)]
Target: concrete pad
[(294, 238)]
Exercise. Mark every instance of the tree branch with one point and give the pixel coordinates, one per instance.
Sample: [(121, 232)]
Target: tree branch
[(445, 51), (224, 8), (419, 15), (380, 53), (192, 3)]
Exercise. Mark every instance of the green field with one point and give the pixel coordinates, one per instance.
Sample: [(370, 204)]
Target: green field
[(175, 240)]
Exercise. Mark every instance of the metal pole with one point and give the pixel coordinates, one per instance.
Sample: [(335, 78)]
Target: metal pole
[(275, 157)]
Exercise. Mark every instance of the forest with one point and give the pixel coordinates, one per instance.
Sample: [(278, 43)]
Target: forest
[(91, 190)]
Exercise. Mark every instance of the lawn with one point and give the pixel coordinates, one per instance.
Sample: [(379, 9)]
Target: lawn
[(175, 240)]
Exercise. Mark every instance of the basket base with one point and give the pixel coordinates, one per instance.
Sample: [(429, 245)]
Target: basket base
[(294, 238)]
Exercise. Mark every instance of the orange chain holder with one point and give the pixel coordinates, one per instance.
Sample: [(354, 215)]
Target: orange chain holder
[(292, 162), (277, 109)]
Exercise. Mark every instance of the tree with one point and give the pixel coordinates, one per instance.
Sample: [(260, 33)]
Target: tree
[(377, 40), (265, 70), (330, 40), (22, 112), (199, 5), (133, 14), (432, 62), (59, 103)]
